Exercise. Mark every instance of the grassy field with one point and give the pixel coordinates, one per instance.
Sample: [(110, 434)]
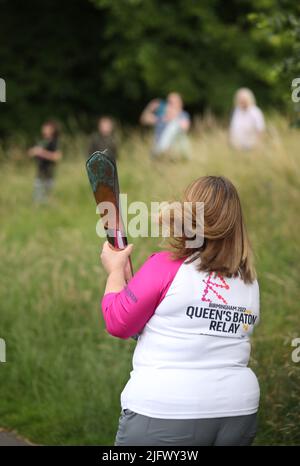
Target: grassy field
[(63, 376)]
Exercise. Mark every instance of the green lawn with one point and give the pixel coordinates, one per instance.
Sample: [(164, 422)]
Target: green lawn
[(63, 376)]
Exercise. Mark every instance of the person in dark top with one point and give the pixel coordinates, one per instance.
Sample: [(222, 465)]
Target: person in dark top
[(46, 154), (104, 138)]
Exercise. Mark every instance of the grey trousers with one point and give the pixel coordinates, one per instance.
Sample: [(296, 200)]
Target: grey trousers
[(136, 429)]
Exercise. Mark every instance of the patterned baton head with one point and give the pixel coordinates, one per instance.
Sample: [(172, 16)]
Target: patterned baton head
[(103, 177)]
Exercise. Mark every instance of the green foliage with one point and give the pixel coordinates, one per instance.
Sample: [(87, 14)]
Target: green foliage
[(78, 59), (280, 28), (205, 50), (49, 57)]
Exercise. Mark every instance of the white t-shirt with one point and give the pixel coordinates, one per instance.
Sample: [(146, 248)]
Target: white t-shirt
[(191, 359), (245, 127)]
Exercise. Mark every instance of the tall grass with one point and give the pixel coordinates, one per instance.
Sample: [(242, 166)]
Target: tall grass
[(63, 375)]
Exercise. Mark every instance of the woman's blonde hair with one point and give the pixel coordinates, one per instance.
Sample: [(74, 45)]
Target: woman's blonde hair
[(226, 248), (247, 94)]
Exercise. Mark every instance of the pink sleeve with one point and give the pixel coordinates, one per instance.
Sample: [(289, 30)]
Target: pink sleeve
[(126, 312)]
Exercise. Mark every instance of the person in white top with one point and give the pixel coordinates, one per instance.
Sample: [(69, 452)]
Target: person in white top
[(247, 123), (194, 311)]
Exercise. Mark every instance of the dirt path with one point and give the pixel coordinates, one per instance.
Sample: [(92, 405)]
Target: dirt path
[(12, 439)]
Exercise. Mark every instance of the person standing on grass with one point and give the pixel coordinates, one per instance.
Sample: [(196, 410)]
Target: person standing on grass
[(46, 154), (247, 123), (104, 138), (195, 310), (171, 123)]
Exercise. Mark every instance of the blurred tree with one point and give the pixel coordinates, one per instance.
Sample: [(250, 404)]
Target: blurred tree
[(77, 59), (50, 56), (281, 28), (205, 50)]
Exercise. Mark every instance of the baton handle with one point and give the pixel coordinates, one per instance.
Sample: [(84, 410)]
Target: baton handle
[(118, 241)]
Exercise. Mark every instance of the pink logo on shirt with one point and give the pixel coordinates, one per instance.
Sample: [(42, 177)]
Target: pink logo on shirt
[(217, 282)]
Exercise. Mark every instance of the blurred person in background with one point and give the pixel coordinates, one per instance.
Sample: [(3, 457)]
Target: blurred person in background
[(46, 154), (104, 138), (247, 122), (171, 123)]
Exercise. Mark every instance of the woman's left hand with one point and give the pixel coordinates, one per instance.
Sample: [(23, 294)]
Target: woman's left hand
[(115, 260)]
